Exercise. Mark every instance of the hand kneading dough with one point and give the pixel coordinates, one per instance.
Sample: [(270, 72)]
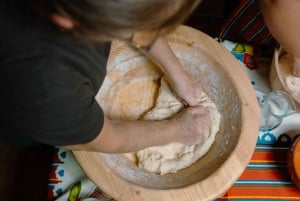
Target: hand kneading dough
[(175, 156)]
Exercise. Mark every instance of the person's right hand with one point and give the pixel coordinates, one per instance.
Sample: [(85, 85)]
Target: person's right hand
[(192, 125)]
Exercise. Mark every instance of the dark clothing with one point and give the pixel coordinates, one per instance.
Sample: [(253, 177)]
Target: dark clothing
[(48, 81)]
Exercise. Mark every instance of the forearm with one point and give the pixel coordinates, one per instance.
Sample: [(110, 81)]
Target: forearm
[(136, 135), (130, 136), (162, 54), (180, 81), (190, 126)]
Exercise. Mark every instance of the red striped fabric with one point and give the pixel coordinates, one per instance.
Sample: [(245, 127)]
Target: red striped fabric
[(262, 193), (265, 178), (246, 25)]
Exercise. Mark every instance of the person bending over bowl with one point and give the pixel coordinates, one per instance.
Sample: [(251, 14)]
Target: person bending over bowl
[(53, 62)]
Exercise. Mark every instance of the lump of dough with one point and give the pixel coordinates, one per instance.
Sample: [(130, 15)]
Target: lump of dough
[(166, 104), (175, 156)]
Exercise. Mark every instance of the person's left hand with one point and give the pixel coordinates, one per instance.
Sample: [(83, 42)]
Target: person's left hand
[(187, 90)]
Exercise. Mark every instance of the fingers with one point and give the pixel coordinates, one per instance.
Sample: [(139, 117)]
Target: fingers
[(189, 101), (197, 101), (193, 97), (187, 91), (180, 99), (199, 110), (193, 125)]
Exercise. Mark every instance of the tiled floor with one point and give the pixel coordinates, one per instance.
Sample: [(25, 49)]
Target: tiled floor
[(24, 173)]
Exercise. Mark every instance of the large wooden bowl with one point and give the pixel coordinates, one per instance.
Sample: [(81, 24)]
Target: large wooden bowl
[(222, 78)]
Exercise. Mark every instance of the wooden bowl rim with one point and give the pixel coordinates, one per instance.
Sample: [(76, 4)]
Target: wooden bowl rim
[(217, 183)]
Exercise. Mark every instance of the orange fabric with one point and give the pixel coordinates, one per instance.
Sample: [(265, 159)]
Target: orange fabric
[(265, 178)]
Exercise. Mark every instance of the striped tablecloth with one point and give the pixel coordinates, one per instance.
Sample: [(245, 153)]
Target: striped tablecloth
[(266, 177)]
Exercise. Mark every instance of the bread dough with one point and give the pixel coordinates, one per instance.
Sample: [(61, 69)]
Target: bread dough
[(175, 156)]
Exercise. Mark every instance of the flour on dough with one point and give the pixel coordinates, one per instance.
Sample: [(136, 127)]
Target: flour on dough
[(175, 156)]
